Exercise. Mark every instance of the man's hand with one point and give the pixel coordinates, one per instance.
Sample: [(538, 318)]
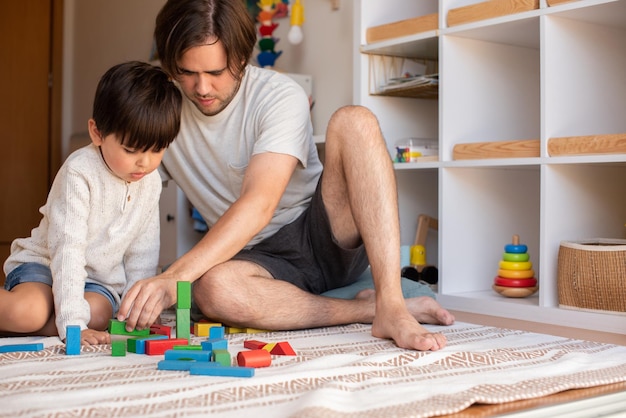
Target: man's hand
[(144, 302), (93, 337)]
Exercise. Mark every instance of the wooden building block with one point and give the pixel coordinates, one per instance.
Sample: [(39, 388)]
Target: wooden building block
[(12, 348), (183, 295), (222, 357), (187, 355), (254, 358), (176, 365), (216, 332), (118, 348), (183, 321), (72, 340), (254, 344), (161, 330), (589, 144), (283, 348), (119, 328), (402, 28), (138, 345), (214, 344), (208, 369), (159, 347), (488, 10), (187, 347), (497, 149)]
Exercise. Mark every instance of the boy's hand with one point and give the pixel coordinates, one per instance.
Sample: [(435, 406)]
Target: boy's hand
[(93, 337)]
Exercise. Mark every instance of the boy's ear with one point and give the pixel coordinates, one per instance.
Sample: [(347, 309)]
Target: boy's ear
[(94, 133)]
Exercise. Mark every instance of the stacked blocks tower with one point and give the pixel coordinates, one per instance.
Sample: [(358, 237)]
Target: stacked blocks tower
[(516, 277), (183, 309)]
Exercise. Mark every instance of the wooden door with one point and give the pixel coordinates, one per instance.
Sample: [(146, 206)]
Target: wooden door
[(29, 112)]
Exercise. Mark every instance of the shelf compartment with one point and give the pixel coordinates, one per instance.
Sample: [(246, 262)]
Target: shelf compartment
[(488, 10), (497, 149), (402, 28), (588, 144)]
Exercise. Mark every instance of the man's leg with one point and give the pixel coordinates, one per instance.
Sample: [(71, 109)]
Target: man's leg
[(360, 195), (241, 293)]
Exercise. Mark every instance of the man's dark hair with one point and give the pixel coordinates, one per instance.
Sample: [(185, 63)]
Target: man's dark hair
[(183, 24)]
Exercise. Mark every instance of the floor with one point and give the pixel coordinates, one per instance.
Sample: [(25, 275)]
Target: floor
[(560, 403), (570, 332)]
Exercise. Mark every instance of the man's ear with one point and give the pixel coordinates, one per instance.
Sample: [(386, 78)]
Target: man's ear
[(94, 133)]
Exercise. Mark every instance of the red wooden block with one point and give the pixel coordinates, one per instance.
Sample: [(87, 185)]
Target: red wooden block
[(254, 358), (158, 347), (283, 349), (161, 330), (254, 344)]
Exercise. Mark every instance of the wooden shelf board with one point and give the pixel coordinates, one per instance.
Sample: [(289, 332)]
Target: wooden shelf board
[(588, 144), (488, 10), (402, 28), (497, 149)]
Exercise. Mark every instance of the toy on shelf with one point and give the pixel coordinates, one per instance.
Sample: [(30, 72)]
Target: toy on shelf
[(516, 277), (419, 270)]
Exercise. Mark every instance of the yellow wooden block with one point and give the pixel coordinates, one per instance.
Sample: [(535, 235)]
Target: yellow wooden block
[(235, 330), (255, 331), (201, 329), (269, 347)]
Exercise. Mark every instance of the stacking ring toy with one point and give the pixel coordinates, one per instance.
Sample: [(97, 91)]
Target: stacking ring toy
[(516, 256), (499, 281), (516, 274), (512, 265), (515, 247)]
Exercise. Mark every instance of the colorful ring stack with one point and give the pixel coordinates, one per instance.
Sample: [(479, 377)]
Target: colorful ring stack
[(516, 277)]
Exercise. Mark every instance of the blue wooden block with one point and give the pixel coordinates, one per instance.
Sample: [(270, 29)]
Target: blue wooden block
[(188, 355), (216, 333), (138, 345), (214, 344), (72, 340), (11, 348), (180, 365), (209, 369)]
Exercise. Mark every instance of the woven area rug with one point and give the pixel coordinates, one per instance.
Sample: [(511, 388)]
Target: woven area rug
[(337, 372)]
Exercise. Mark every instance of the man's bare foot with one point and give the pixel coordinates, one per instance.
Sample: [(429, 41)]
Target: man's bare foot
[(400, 323)]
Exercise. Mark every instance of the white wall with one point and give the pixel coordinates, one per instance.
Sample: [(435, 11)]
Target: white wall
[(101, 33)]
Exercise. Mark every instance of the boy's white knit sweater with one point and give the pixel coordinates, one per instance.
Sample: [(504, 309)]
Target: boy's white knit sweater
[(96, 228)]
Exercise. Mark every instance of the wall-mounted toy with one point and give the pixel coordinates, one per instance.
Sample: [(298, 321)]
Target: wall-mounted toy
[(268, 55), (295, 35), (516, 277)]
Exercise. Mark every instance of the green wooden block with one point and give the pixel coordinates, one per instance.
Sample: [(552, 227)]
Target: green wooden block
[(119, 328), (118, 348), (183, 295), (222, 357), (188, 347), (183, 323)]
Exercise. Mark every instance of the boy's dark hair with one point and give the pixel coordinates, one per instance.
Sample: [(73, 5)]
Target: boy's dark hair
[(137, 102), (183, 24)]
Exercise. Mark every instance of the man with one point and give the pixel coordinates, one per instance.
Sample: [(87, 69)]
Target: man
[(281, 230)]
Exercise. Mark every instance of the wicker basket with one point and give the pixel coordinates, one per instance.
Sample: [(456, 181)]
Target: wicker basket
[(592, 275)]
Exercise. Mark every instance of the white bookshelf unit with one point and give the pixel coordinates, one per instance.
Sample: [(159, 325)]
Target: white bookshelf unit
[(555, 70)]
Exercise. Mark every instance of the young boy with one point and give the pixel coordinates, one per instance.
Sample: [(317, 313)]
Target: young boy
[(100, 228)]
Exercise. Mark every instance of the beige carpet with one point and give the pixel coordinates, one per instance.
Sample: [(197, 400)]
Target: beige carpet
[(338, 372)]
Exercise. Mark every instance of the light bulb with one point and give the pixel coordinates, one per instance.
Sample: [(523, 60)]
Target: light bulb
[(295, 35)]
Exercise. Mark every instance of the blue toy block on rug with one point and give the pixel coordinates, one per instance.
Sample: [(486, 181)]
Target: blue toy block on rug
[(72, 340)]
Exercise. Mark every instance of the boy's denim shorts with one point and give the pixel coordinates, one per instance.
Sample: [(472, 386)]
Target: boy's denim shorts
[(38, 273)]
